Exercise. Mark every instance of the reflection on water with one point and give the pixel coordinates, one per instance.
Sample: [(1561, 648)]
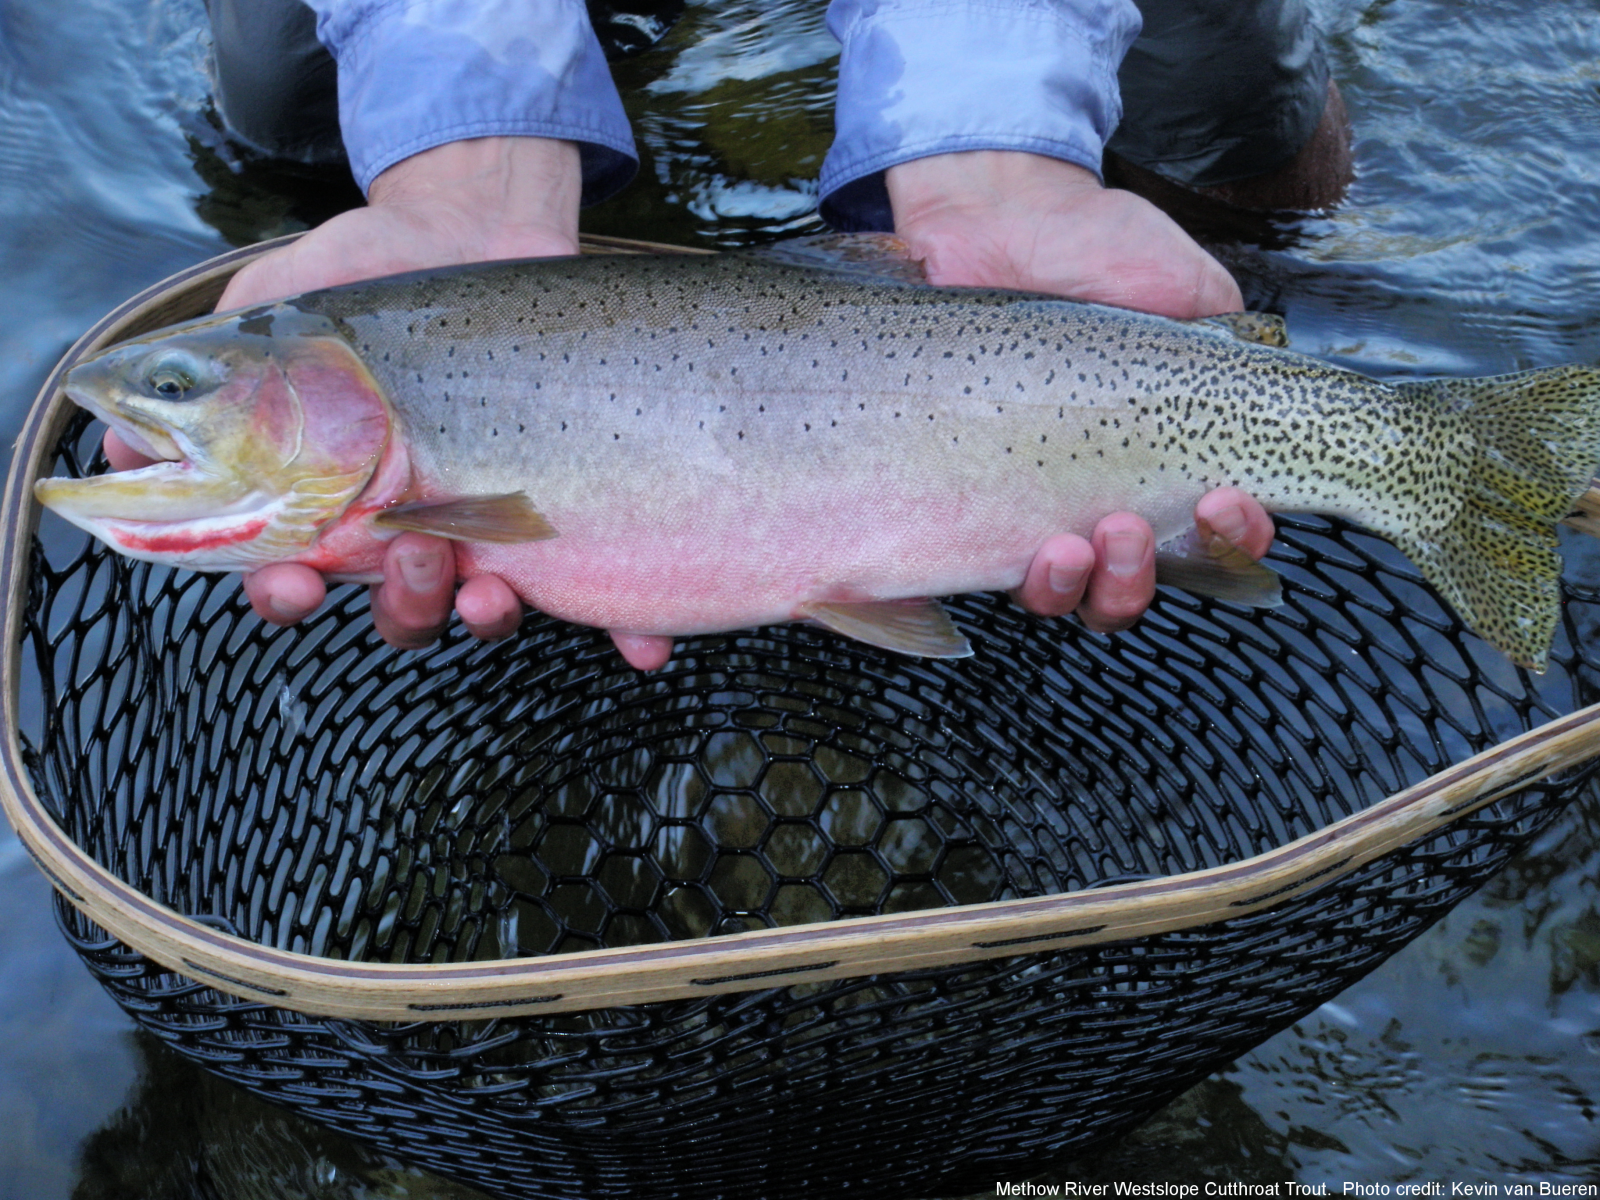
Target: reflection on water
[(732, 114), (1470, 243), (186, 1135)]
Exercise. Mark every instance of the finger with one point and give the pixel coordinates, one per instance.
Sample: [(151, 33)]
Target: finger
[(122, 456), (284, 593), (1238, 517), (412, 605), (1124, 578), (1215, 290), (267, 278), (644, 651), (488, 607), (1057, 577)]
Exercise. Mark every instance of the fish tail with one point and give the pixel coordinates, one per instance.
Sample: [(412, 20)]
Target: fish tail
[(1537, 448)]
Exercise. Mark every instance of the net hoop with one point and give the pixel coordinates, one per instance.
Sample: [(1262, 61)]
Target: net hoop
[(739, 962)]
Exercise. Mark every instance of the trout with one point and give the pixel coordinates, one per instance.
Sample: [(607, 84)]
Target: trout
[(683, 445)]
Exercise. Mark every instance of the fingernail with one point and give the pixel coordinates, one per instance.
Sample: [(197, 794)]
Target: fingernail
[(1064, 580), (421, 570), (1231, 523), (284, 609), (1125, 552)]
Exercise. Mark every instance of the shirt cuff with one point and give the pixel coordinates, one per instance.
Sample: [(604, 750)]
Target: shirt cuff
[(921, 77), (414, 74)]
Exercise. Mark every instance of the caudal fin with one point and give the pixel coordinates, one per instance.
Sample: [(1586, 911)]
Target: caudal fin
[(1538, 448)]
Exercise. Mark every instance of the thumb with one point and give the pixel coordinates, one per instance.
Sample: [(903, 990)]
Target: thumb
[(1214, 289), (267, 278)]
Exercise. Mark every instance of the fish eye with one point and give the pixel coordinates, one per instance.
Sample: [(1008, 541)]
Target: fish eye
[(171, 378), (170, 384)]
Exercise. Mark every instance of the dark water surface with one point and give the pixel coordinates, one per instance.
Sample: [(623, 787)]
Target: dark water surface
[(1469, 244)]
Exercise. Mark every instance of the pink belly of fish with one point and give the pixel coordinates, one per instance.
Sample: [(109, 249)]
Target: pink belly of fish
[(700, 568)]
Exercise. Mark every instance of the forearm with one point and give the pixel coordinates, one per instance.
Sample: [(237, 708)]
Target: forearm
[(498, 197), (921, 188)]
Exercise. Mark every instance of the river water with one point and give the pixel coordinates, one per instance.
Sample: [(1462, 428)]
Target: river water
[(1469, 244)]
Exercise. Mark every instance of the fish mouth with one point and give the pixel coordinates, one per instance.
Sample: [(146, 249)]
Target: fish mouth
[(168, 511), (139, 432), (179, 487)]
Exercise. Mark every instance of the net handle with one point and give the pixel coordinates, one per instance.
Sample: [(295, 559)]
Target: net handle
[(673, 970)]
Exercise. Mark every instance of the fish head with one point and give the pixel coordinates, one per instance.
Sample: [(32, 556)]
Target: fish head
[(265, 425)]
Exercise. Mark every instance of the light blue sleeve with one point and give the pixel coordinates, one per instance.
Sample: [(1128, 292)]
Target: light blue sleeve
[(414, 74), (921, 77)]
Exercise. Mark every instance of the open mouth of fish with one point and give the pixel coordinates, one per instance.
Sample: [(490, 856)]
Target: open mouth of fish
[(176, 504), (175, 459)]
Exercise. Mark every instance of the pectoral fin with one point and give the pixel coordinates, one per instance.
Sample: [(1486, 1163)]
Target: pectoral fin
[(507, 519), (1207, 564), (916, 627)]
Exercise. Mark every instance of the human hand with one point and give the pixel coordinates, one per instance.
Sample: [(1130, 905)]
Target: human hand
[(997, 218), (1003, 219), (467, 201), (470, 201)]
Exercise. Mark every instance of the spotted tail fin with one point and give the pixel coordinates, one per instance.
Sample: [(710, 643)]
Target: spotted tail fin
[(1537, 437)]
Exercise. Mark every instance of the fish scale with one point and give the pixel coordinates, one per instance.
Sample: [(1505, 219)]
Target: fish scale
[(725, 441), (610, 359)]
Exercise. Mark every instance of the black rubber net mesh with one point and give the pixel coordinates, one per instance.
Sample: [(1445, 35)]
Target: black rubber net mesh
[(312, 790)]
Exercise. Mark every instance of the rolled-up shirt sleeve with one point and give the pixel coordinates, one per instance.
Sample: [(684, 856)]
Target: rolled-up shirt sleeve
[(414, 74), (921, 77)]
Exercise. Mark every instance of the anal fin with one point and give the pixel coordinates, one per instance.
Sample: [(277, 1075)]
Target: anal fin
[(1206, 563), (917, 627), (507, 518)]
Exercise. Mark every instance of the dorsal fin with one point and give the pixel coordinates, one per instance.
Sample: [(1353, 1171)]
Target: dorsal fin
[(869, 257), (1263, 329)]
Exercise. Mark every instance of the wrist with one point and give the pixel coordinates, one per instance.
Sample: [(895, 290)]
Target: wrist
[(979, 180), (518, 195)]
